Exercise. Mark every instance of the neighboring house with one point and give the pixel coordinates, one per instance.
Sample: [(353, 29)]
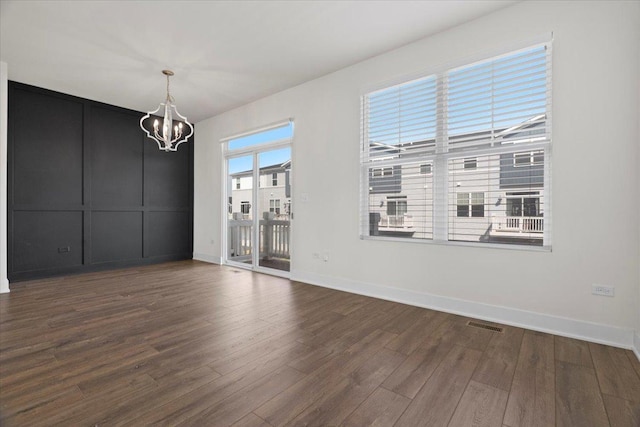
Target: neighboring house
[(492, 198), (274, 193)]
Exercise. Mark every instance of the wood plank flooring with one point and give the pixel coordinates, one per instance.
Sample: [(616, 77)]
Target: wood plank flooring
[(190, 343)]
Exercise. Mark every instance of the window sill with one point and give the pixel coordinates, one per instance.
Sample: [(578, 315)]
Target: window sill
[(515, 247)]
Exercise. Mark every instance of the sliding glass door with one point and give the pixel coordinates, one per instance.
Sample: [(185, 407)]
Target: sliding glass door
[(274, 205), (240, 228), (258, 200)]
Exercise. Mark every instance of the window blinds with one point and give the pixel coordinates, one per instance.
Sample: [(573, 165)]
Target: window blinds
[(465, 152)]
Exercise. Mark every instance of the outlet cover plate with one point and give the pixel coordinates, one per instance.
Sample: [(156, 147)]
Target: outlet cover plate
[(607, 291)]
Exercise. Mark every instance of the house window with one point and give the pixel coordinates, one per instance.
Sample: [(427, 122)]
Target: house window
[(274, 206), (396, 206), (274, 179), (245, 207), (379, 172), (470, 164), (470, 203), (529, 158), (523, 204), (455, 142), (425, 169), (237, 183), (463, 204), (477, 205)]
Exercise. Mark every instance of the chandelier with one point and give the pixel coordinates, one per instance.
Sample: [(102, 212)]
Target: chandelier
[(171, 134)]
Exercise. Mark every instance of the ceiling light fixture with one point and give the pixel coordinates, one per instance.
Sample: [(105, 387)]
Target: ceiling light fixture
[(171, 135)]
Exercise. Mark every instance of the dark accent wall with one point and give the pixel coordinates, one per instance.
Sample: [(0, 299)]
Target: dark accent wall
[(87, 189)]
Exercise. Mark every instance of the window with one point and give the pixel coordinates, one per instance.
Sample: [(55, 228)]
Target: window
[(477, 205), (458, 145), (274, 206), (377, 172), (530, 158), (245, 206), (470, 203), (396, 206), (523, 204), (470, 164), (237, 183), (274, 179), (259, 137), (463, 204)]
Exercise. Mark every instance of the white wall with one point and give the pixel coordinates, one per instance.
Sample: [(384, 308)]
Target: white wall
[(595, 180), (4, 282)]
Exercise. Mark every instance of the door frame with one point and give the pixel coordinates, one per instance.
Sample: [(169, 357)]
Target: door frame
[(254, 151)]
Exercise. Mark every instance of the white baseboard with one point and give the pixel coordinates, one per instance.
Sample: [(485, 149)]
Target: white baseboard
[(4, 286), (572, 328), (636, 344), (207, 258)]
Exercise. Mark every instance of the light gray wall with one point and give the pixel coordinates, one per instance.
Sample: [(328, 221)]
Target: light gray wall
[(595, 158)]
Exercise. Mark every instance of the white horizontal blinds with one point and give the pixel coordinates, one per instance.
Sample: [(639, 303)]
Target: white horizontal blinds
[(401, 120), (503, 99), (400, 125), (400, 200), (499, 108), (481, 134), (497, 198)]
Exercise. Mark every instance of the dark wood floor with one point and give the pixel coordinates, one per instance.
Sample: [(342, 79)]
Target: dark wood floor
[(190, 343)]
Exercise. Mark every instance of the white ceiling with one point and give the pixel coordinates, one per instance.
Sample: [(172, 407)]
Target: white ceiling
[(224, 53)]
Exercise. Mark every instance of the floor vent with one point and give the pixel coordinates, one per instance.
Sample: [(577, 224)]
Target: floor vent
[(484, 326)]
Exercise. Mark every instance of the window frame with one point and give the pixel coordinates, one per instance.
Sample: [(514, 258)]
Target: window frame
[(532, 155), (440, 157), (470, 164)]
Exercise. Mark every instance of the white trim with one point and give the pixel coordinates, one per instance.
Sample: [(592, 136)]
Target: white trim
[(207, 258), (264, 128), (636, 344), (4, 286), (572, 328), (460, 61)]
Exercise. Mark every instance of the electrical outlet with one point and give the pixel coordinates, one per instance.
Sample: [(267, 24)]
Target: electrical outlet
[(607, 291)]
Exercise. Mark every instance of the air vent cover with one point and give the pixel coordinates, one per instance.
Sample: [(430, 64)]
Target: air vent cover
[(484, 326)]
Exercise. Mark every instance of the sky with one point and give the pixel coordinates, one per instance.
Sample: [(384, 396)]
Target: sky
[(494, 94), (267, 158)]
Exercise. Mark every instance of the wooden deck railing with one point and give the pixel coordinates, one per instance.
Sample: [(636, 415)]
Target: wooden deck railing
[(274, 238)]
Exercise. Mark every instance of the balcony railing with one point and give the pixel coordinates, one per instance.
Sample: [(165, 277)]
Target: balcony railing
[(395, 222), (518, 224), (274, 239)]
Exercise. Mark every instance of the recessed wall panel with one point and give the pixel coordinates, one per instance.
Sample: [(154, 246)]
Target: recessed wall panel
[(116, 158), (167, 176), (43, 240), (116, 236), (47, 133), (168, 233)]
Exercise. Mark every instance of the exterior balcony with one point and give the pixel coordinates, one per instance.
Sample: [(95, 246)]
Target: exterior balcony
[(396, 225), (529, 227)]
